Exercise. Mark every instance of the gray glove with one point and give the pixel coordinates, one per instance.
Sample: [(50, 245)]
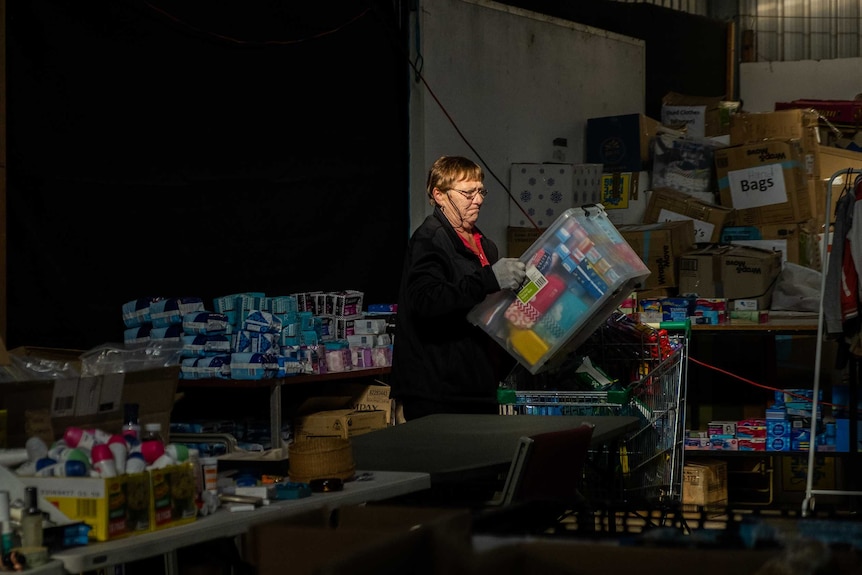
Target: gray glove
[(509, 272)]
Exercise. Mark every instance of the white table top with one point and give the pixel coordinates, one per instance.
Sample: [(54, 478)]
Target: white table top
[(382, 485)]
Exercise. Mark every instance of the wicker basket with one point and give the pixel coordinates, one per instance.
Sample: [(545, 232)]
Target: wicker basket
[(320, 457)]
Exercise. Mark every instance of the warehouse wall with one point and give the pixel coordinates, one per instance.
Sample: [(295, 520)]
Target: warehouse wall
[(764, 83), (511, 81)]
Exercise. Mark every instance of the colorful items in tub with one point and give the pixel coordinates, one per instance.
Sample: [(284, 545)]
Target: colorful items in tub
[(574, 271)]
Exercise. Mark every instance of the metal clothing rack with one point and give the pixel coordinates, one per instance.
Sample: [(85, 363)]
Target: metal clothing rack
[(809, 501)]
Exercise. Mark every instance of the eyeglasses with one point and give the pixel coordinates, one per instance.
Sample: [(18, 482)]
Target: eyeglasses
[(470, 194)]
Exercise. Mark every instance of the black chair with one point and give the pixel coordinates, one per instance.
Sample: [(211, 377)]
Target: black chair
[(543, 482)]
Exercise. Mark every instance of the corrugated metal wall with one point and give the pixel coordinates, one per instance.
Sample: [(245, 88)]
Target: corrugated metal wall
[(802, 29), (786, 30)]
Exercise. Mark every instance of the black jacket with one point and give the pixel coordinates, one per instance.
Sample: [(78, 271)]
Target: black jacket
[(441, 362)]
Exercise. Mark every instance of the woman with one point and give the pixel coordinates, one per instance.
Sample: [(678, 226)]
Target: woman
[(441, 363)]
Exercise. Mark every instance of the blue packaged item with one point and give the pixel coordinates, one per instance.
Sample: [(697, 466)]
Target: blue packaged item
[(205, 322), (137, 312), (170, 311)]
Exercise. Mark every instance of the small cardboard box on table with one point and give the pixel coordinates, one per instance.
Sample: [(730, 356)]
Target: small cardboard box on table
[(333, 416)]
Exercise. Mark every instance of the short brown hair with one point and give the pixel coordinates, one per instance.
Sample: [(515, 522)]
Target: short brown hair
[(450, 169)]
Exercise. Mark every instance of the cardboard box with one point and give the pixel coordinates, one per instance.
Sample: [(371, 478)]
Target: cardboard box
[(366, 397), (659, 245), (734, 272), (621, 143), (799, 124), (701, 116), (173, 495), (519, 240), (543, 191), (587, 184), (269, 462), (833, 161), (366, 539), (794, 472), (843, 115), (668, 205), (114, 508), (45, 407), (784, 238), (704, 482), (763, 182), (328, 417), (625, 196)]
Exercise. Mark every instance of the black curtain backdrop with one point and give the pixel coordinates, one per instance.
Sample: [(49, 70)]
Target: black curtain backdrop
[(173, 148)]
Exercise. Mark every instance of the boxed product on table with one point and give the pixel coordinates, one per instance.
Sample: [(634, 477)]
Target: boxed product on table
[(578, 271), (116, 507), (334, 416), (113, 507), (173, 494)]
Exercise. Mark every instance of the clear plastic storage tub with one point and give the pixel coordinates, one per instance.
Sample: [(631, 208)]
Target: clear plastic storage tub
[(578, 271)]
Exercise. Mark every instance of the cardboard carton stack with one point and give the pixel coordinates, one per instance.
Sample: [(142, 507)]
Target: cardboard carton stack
[(748, 179)]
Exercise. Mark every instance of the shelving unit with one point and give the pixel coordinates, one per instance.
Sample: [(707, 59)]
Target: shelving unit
[(275, 385), (780, 324)]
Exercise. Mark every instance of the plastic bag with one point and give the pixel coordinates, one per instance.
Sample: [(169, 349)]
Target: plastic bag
[(797, 289)]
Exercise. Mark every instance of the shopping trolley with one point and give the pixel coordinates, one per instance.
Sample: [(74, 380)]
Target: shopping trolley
[(643, 373)]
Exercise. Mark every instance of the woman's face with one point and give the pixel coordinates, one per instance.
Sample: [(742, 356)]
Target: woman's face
[(465, 198)]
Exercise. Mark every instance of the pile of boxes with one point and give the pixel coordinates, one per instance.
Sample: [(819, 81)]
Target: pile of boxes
[(751, 180)]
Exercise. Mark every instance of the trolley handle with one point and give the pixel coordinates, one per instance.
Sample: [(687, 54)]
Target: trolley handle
[(683, 326)]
